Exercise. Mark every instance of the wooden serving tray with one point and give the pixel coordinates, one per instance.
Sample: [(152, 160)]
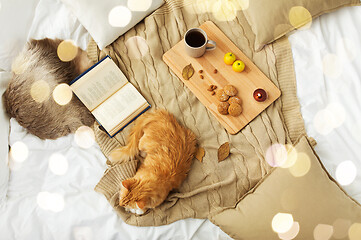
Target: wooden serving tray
[(245, 82)]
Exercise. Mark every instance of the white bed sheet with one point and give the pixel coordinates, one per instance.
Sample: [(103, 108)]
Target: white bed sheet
[(327, 59), (43, 205)]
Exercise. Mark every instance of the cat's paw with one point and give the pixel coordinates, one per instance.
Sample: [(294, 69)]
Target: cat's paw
[(135, 211), (118, 156)]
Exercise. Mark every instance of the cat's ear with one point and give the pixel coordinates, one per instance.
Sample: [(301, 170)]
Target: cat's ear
[(128, 183), (141, 204)]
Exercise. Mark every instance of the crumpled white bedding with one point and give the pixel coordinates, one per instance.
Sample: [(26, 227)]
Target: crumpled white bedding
[(327, 59), (44, 205)]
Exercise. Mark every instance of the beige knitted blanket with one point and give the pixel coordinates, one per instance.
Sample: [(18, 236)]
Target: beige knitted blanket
[(210, 185)]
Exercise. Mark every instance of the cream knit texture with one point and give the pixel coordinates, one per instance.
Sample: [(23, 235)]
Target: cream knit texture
[(210, 185)]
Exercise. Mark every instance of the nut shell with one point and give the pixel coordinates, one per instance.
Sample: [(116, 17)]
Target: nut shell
[(221, 95), (235, 99), (223, 108), (230, 90), (235, 109)]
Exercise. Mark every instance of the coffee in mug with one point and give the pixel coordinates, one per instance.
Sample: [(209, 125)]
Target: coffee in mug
[(196, 42)]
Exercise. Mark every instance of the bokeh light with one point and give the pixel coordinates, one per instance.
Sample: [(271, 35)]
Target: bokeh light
[(282, 222), (323, 232), (340, 228), (84, 137), (291, 156), (302, 165), (40, 91), (67, 50), (329, 118), (62, 94), (338, 114), (19, 151), (292, 233), (50, 201), (58, 164), (346, 173), (323, 122), (276, 155), (137, 47), (279, 155), (354, 232), (20, 65), (119, 16), (224, 10), (332, 65), (299, 17), (139, 6)]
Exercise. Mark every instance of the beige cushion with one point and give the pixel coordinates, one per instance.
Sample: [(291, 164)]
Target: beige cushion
[(315, 201), (271, 20)]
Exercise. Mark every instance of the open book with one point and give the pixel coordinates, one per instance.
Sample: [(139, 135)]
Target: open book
[(109, 96)]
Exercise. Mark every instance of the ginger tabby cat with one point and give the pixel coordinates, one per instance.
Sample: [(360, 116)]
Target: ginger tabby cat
[(169, 149)]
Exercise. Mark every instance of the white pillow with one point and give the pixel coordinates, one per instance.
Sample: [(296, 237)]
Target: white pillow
[(4, 139), (108, 19), (15, 20), (52, 19)]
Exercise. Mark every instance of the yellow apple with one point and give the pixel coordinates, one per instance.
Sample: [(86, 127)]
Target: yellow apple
[(238, 66), (229, 58)]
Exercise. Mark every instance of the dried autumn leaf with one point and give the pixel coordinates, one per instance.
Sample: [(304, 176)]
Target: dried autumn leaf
[(223, 151), (188, 72), (200, 154)]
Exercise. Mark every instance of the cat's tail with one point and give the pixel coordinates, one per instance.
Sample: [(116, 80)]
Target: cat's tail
[(131, 150)]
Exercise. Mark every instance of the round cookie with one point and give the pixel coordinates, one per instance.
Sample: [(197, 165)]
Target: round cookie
[(223, 108), (230, 90), (235, 99), (235, 109), (221, 95)]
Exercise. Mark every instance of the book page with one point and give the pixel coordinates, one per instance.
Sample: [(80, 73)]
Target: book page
[(95, 86), (119, 107)]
